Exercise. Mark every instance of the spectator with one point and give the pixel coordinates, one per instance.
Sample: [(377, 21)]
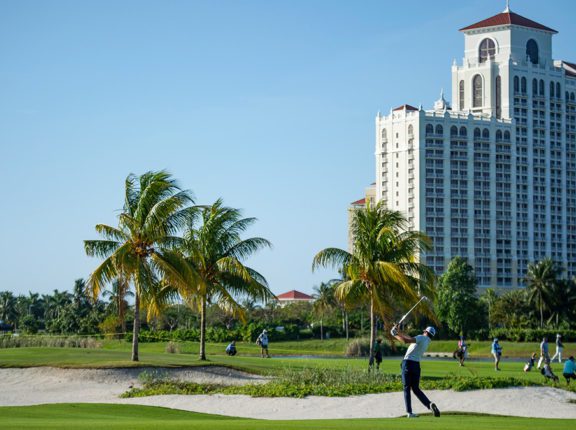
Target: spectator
[(262, 340), (569, 371), (530, 363), (231, 349), (544, 354), (376, 355), (497, 353), (559, 348)]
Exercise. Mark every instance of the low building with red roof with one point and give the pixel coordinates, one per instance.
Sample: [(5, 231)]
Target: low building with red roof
[(293, 296)]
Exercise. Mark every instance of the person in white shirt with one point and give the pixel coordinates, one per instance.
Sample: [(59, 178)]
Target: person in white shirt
[(411, 368)]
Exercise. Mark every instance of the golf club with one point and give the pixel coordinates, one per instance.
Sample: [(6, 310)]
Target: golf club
[(411, 309)]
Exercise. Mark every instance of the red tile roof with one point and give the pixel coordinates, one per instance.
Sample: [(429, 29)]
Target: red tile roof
[(508, 18), (405, 107), (294, 295), (359, 202)]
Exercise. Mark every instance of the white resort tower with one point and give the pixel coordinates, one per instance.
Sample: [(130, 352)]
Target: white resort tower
[(493, 177)]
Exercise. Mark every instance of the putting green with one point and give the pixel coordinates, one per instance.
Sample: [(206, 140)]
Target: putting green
[(110, 417)]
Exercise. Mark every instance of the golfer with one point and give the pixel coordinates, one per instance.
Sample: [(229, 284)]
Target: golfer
[(544, 354), (411, 368), (262, 341)]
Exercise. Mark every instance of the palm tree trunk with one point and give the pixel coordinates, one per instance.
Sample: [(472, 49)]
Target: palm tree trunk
[(321, 330), (347, 325), (372, 330), (136, 330), (541, 314), (203, 329)]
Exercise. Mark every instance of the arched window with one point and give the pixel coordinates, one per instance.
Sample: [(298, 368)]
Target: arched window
[(477, 91), (571, 97), (463, 131), (429, 129), (477, 133), (507, 136), (485, 134), (498, 97), (498, 135), (523, 85), (558, 90), (384, 137), (439, 130), (541, 85), (487, 50), (461, 95), (551, 89), (410, 130), (453, 131), (567, 96), (516, 84), (532, 51), (534, 87)]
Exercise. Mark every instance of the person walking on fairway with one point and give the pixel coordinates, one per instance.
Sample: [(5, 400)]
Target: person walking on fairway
[(544, 352), (497, 353), (262, 340), (411, 368), (559, 348)]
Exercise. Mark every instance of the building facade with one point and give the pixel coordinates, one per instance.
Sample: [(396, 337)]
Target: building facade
[(493, 177)]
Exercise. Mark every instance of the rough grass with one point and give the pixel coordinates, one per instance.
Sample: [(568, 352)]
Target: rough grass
[(321, 382), (113, 417)]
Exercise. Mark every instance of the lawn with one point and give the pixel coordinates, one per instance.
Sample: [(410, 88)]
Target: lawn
[(98, 416)]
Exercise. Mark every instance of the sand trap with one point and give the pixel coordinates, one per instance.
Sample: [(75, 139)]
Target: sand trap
[(33, 386)]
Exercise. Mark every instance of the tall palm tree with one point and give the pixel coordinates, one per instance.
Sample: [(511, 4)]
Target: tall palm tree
[(323, 302), (383, 268), (540, 279), (155, 208), (206, 264)]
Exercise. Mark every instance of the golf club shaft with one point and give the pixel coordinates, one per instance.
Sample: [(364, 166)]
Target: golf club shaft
[(410, 311)]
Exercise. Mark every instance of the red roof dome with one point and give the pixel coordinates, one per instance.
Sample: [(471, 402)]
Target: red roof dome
[(294, 295), (508, 18)]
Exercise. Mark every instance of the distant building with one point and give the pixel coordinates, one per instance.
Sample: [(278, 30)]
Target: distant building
[(293, 297), (493, 177)]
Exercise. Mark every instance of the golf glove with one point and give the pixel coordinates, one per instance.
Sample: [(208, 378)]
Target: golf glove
[(394, 331)]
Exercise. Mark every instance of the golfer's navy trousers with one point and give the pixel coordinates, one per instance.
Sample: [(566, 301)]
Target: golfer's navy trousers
[(411, 381)]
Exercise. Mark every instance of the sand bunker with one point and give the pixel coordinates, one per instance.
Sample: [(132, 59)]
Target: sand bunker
[(40, 385)]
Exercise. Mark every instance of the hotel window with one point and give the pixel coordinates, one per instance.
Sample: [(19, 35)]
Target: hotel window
[(477, 91), (498, 97), (461, 85), (532, 51), (487, 50)]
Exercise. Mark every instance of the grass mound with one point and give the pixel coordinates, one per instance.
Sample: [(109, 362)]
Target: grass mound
[(300, 383)]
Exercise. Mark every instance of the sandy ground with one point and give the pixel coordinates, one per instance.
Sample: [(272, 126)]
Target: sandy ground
[(33, 386)]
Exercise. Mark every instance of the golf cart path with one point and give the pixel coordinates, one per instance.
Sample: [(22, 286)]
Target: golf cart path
[(41, 385)]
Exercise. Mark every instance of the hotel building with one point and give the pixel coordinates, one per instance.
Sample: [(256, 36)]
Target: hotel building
[(493, 177)]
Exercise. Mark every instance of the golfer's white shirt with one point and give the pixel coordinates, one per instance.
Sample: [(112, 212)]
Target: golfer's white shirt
[(416, 350)]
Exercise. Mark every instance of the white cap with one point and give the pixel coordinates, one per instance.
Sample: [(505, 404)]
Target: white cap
[(431, 330)]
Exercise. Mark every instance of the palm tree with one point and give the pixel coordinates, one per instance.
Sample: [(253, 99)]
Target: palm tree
[(540, 279), (563, 300), (117, 294), (155, 209), (323, 302), (206, 264), (383, 268), (7, 307)]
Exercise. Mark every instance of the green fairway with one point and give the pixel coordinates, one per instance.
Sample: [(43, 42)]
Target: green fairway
[(98, 416), (117, 355)]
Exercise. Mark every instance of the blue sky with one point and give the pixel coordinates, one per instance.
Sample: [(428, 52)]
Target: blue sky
[(267, 104)]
